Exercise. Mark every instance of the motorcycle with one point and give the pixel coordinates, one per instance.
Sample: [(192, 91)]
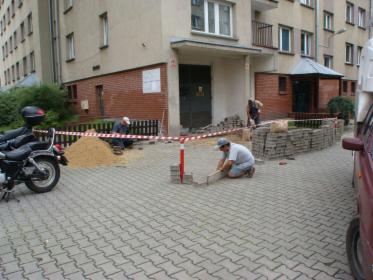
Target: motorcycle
[(34, 164)]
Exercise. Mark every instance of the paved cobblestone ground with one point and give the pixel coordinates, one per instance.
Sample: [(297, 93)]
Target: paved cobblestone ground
[(288, 222)]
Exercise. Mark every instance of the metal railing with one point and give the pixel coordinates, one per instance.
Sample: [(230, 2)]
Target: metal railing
[(262, 34)]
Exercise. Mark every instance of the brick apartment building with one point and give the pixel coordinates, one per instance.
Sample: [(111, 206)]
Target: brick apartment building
[(188, 63)]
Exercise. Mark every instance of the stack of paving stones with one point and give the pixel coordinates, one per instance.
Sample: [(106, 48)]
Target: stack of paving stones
[(228, 123), (259, 137), (175, 175), (269, 145)]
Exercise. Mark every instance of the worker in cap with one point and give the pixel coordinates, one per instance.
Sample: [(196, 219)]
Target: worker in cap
[(122, 127), (236, 159)]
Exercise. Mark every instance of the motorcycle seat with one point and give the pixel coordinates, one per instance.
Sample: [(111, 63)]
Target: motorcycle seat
[(34, 146), (18, 154)]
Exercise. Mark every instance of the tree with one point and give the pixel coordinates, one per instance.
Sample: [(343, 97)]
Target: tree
[(342, 107)]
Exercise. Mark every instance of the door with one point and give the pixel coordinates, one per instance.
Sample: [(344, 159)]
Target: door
[(195, 95), (100, 99), (302, 96)]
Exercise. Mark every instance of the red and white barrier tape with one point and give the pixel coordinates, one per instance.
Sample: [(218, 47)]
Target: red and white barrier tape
[(112, 135)]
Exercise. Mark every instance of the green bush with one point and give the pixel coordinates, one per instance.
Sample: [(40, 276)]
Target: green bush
[(51, 98), (342, 107)]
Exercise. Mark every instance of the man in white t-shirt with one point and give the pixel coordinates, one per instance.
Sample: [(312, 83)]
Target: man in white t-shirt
[(236, 159)]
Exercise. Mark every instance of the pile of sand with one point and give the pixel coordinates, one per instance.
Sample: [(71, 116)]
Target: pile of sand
[(90, 152)]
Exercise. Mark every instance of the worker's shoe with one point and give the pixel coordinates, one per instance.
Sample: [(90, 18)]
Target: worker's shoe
[(251, 172)]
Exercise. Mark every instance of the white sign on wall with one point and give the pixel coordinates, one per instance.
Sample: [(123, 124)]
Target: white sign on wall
[(151, 81)]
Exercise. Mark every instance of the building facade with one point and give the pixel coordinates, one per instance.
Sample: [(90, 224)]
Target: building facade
[(330, 32), (188, 63), (25, 41)]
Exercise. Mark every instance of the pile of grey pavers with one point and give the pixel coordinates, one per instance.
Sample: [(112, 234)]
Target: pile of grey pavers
[(228, 123), (175, 175), (268, 145)]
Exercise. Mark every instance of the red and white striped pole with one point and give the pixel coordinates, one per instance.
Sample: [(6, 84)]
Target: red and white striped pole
[(182, 140)]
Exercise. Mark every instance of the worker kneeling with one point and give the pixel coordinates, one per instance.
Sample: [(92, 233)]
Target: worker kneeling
[(236, 160)]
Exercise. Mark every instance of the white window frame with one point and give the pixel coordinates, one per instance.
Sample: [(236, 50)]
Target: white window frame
[(306, 2), (32, 62), (361, 17), (280, 39), (307, 43), (350, 53), (328, 21), (349, 12), (70, 47), (29, 24), (105, 30), (328, 58), (216, 16), (358, 54), (68, 4)]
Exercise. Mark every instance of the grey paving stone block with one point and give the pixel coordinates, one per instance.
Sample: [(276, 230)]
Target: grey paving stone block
[(169, 268), (89, 268), (128, 268), (225, 274)]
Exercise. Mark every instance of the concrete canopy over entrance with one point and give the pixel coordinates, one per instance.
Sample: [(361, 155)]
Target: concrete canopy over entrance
[(228, 82)]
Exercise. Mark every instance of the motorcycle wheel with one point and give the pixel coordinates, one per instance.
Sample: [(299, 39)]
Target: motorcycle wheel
[(53, 169)]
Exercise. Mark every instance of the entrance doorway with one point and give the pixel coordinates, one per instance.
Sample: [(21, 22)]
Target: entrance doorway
[(195, 95), (302, 96)]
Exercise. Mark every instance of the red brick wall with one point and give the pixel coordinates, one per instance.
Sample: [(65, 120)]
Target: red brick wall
[(328, 88), (276, 105), (123, 95)]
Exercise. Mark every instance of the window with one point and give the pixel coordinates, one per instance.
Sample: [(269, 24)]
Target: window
[(13, 74), (349, 53), (11, 44), (100, 97), (20, 2), (353, 88), (104, 30), (22, 31), (15, 39), (25, 66), (212, 17), (358, 55), (328, 61), (17, 70), (361, 18), (285, 39), (6, 48), (344, 86), (68, 5), (3, 49), (306, 2), (305, 41), (8, 14), (1, 27), (282, 85), (13, 9), (32, 62), (29, 24), (349, 12), (71, 92), (5, 78), (9, 77), (328, 21), (70, 48), (4, 22)]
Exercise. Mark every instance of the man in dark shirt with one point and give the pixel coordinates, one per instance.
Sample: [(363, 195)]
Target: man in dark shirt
[(122, 127)]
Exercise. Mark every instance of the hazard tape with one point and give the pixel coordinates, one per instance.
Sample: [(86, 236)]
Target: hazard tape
[(112, 135), (168, 138)]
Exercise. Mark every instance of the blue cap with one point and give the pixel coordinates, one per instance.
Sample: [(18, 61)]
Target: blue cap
[(221, 142)]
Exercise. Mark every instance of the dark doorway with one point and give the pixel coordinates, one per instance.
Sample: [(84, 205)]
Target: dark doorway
[(100, 99), (302, 96), (195, 95)]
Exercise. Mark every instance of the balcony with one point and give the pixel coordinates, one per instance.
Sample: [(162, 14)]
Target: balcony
[(262, 34), (264, 5)]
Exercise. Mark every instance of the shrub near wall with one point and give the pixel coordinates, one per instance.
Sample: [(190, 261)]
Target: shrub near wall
[(51, 98)]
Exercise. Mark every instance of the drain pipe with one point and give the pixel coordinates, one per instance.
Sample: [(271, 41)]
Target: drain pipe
[(317, 28)]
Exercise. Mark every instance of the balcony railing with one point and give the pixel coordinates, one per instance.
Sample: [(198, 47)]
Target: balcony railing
[(262, 34)]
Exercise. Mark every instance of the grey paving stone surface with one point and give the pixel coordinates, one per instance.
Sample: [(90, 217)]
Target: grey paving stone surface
[(288, 222)]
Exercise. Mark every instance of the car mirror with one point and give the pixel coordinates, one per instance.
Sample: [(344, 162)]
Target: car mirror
[(352, 144)]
